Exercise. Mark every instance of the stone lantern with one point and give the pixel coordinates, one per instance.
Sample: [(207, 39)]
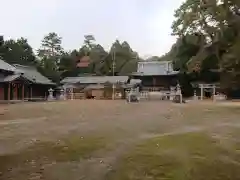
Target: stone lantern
[(178, 94), (172, 93), (50, 95), (62, 94), (179, 91), (195, 95)]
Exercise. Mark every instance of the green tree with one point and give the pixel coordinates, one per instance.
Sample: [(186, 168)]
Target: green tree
[(218, 22), (51, 47), (124, 57), (89, 41), (88, 44), (68, 61), (98, 57), (1, 45), (202, 18), (18, 52), (185, 48), (86, 52), (1, 41), (68, 64), (101, 61), (48, 68), (50, 54)]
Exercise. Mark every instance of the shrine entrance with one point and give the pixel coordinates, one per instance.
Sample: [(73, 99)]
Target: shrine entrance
[(207, 91)]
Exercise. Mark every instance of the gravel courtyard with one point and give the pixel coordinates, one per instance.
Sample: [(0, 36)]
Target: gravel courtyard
[(90, 139)]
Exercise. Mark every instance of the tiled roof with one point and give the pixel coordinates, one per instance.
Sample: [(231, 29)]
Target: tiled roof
[(29, 73), (5, 66), (32, 74), (151, 68), (84, 62), (95, 79), (9, 78)]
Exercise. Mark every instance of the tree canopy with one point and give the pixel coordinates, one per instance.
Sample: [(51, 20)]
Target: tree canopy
[(208, 33), (56, 63), (17, 52)]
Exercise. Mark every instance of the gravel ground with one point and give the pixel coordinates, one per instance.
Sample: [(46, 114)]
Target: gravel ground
[(123, 124)]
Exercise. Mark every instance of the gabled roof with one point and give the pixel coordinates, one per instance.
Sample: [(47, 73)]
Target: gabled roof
[(32, 74), (95, 79), (9, 78), (5, 66), (155, 68), (29, 73), (84, 62), (13, 77)]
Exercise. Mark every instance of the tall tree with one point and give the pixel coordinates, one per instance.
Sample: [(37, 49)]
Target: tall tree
[(50, 54), (51, 47), (18, 52), (98, 57), (48, 68), (1, 40), (68, 61), (89, 41), (1, 45), (85, 52), (218, 21), (123, 56)]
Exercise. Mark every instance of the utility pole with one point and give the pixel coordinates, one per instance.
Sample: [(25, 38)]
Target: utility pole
[(113, 72)]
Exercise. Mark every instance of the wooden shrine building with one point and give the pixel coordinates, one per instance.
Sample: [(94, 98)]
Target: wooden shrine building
[(19, 82), (156, 75), (97, 87)]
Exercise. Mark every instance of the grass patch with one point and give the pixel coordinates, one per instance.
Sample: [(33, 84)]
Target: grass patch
[(42, 153), (178, 157)]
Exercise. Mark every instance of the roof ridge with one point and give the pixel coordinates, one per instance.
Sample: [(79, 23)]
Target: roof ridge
[(24, 66), (6, 66)]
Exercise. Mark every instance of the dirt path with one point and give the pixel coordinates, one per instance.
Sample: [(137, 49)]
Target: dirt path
[(126, 124)]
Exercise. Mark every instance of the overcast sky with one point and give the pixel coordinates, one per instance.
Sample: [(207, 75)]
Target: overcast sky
[(145, 24)]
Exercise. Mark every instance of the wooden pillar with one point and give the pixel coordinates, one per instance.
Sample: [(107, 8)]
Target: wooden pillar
[(154, 82), (30, 92), (23, 92), (201, 92), (9, 91)]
